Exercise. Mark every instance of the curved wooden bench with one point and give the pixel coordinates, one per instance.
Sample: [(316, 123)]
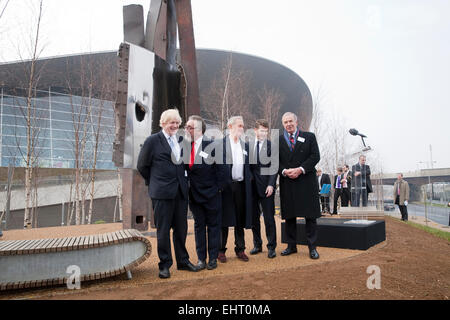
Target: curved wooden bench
[(44, 262)]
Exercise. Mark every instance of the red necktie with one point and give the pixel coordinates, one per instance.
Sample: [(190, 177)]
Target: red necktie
[(291, 138), (191, 163)]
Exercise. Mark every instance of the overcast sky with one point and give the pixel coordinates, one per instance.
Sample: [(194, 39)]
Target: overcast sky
[(385, 65)]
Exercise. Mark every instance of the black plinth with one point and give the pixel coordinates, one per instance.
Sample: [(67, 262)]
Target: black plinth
[(334, 233)]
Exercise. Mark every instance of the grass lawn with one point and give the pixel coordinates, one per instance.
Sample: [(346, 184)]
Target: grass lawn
[(438, 233)]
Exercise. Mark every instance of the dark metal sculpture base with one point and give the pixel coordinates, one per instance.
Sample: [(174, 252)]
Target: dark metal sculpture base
[(136, 203), (334, 233)]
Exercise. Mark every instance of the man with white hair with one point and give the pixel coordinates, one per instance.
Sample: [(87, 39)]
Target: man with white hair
[(160, 165), (299, 154), (237, 196)]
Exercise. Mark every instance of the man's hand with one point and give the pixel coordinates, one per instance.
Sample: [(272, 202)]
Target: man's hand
[(406, 202), (357, 173), (293, 173), (269, 191)]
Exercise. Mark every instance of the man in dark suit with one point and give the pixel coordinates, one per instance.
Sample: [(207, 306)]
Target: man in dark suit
[(237, 196), (337, 183), (206, 182), (346, 185), (264, 189), (160, 165), (324, 178), (299, 154), (361, 183)]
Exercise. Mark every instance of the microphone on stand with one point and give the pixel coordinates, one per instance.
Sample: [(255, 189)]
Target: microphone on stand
[(355, 132)]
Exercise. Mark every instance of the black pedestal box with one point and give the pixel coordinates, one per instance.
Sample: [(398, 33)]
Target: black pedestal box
[(335, 233)]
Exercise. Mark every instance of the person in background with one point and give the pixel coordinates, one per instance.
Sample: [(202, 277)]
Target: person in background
[(324, 178), (401, 195), (337, 189), (361, 183), (346, 185)]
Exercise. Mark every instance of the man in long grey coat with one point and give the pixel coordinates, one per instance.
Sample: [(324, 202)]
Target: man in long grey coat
[(299, 154), (401, 195)]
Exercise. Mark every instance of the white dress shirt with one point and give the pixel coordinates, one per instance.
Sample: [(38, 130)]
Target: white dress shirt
[(237, 169), (197, 145)]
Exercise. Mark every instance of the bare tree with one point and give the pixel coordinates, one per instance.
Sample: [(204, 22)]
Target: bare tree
[(270, 101), (106, 93), (3, 5), (229, 95), (31, 118)]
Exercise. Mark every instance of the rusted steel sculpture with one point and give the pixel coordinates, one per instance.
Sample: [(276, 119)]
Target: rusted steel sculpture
[(151, 81)]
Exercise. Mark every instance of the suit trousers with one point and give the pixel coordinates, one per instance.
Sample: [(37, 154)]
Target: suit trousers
[(325, 201), (207, 227), (268, 209), (357, 195), (310, 228), (238, 191), (337, 194), (345, 197), (403, 209), (171, 214)]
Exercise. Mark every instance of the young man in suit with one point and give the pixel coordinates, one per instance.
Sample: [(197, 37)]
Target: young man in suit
[(361, 183), (161, 166), (206, 182), (237, 196), (299, 154), (324, 178), (346, 185), (264, 189), (337, 189)]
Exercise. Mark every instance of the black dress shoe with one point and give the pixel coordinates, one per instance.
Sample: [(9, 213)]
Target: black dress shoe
[(164, 273), (256, 250), (212, 264), (188, 267), (271, 254), (201, 265), (313, 254), (288, 251)]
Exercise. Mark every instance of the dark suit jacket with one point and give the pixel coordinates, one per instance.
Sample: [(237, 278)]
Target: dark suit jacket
[(262, 181), (228, 212), (362, 180), (206, 178), (335, 180), (299, 197), (162, 176), (325, 180)]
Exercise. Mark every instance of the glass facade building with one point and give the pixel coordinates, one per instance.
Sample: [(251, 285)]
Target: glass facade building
[(59, 123)]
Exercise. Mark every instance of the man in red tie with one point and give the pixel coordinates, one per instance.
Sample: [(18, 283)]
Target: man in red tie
[(206, 181)]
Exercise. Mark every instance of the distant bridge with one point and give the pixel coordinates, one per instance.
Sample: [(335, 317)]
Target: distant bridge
[(419, 177)]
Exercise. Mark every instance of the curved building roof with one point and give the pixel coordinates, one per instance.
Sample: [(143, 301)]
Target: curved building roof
[(58, 72)]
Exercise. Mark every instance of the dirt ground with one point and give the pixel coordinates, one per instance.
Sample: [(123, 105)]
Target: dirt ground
[(413, 264)]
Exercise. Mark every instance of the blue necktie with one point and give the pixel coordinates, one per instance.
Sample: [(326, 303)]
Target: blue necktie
[(172, 146)]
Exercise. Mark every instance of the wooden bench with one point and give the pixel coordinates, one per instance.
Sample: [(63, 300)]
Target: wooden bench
[(44, 262)]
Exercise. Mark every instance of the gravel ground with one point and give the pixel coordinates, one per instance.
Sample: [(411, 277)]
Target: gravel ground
[(413, 264)]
